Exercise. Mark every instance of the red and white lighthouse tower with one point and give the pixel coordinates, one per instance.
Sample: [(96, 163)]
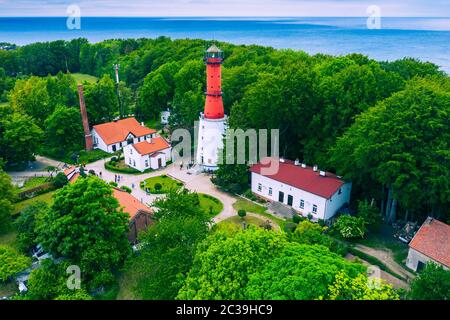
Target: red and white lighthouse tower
[(212, 123)]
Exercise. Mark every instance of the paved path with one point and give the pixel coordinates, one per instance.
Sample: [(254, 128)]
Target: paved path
[(385, 256), (195, 182)]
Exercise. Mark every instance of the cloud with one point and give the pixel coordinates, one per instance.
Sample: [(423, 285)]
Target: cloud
[(225, 7)]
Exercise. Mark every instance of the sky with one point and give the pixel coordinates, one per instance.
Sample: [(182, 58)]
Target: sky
[(227, 8)]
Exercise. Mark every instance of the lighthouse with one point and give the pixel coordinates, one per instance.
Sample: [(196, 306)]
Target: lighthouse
[(212, 124)]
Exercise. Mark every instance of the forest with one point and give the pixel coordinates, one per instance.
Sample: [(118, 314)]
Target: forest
[(383, 125)]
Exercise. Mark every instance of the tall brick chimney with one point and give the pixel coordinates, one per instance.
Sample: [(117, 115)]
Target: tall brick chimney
[(84, 117)]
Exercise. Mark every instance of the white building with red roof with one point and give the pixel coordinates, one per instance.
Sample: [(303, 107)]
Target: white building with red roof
[(305, 189), (430, 243), (152, 153), (113, 136)]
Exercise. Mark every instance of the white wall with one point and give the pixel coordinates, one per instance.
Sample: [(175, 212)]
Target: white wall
[(210, 140), (415, 256), (325, 208), (138, 161)]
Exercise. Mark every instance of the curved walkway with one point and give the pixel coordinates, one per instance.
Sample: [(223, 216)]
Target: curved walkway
[(385, 256), (195, 182)]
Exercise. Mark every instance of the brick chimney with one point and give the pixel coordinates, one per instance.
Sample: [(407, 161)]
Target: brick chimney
[(84, 117)]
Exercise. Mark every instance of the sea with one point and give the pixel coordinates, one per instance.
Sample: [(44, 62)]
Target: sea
[(427, 39)]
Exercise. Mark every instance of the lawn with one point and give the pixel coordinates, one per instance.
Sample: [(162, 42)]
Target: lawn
[(166, 183), (9, 239), (46, 197), (248, 206), (210, 204), (81, 77), (237, 221), (33, 183)]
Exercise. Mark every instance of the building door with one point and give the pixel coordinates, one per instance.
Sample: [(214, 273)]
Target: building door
[(281, 197), (114, 149), (420, 266), (290, 200), (159, 163)]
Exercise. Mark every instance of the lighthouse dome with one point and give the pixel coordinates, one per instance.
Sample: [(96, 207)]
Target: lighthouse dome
[(213, 49)]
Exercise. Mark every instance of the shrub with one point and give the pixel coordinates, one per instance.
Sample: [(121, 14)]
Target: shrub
[(158, 186), (351, 227), (297, 218), (125, 188), (92, 172), (60, 180), (11, 263), (114, 159), (321, 222), (242, 213), (114, 184), (290, 227), (310, 216), (33, 192), (370, 214), (266, 225)]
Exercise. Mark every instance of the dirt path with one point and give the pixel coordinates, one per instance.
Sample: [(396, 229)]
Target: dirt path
[(394, 281), (386, 257)]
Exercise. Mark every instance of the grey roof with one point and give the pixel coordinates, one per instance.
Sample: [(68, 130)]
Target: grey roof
[(213, 49)]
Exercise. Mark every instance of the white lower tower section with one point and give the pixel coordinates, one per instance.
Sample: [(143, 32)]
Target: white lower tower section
[(210, 139)]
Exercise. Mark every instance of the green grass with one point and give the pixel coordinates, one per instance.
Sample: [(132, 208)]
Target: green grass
[(33, 183), (236, 222), (122, 167), (210, 204), (248, 206), (46, 197), (9, 239), (166, 182), (81, 77), (3, 104)]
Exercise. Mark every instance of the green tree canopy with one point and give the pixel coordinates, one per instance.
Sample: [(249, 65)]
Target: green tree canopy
[(7, 196), (224, 263), (102, 103), (85, 226), (433, 283), (11, 263), (300, 272)]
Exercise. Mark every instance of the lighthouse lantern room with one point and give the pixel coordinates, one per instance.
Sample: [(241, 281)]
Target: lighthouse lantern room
[(212, 124)]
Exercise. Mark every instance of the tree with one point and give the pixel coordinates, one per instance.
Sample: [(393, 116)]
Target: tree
[(300, 272), (360, 287), (370, 214), (25, 225), (242, 213), (85, 226), (433, 283), (101, 100), (224, 263), (11, 263), (351, 227), (30, 96), (63, 131), (404, 155), (7, 196), (157, 90), (60, 180), (19, 138), (232, 177), (170, 246)]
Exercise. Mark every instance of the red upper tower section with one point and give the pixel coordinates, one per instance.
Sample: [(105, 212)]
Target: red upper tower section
[(214, 104)]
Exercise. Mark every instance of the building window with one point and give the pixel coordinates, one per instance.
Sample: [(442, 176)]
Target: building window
[(129, 161), (340, 191), (120, 144), (314, 209), (114, 149), (139, 139), (146, 163), (134, 163), (259, 187), (131, 150), (302, 204), (270, 191)]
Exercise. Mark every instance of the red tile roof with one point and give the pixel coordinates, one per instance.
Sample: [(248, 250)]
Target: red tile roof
[(433, 240), (130, 204), (117, 131), (156, 144), (303, 178)]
